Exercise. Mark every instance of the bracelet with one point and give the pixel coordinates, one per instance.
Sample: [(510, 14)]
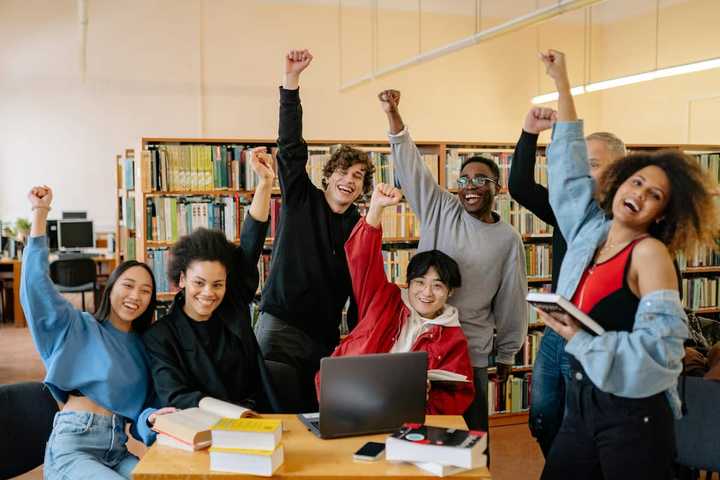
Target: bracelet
[(40, 207)]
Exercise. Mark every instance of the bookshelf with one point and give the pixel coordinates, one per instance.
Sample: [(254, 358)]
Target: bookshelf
[(125, 207), (177, 176)]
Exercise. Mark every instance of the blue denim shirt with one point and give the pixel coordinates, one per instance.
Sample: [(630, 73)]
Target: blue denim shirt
[(634, 364)]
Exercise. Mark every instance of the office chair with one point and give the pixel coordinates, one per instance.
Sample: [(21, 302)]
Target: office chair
[(74, 275), (27, 411), (697, 434)]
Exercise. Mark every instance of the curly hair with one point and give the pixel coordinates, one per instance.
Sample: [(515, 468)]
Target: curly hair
[(202, 245), (691, 216), (344, 158)]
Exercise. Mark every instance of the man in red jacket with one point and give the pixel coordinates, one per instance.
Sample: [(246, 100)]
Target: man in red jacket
[(418, 318)]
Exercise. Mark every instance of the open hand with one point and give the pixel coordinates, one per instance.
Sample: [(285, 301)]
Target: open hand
[(40, 196), (296, 61), (385, 195), (539, 119), (555, 66), (389, 99), (562, 323), (262, 164)]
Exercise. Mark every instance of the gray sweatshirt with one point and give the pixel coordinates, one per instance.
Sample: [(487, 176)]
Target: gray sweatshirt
[(491, 258)]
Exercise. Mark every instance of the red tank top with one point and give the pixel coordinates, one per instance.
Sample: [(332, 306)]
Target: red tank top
[(604, 294)]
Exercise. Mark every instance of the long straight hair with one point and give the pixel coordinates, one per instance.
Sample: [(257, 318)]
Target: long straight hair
[(141, 323)]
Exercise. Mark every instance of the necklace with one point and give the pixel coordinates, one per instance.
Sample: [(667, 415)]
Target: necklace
[(610, 246)]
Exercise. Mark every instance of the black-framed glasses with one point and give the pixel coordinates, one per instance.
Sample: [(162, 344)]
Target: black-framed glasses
[(479, 181)]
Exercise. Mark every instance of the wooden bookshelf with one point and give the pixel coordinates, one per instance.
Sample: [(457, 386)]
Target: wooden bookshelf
[(444, 151), (124, 196)]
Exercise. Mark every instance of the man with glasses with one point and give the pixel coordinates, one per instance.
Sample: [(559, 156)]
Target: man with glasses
[(489, 251)]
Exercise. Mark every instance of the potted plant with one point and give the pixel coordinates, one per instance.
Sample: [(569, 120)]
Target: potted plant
[(22, 225)]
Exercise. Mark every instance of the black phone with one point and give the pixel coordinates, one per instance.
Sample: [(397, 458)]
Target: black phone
[(370, 451)]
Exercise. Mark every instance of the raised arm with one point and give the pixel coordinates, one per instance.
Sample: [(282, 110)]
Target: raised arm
[(254, 228), (421, 190), (521, 182), (292, 149), (50, 316), (571, 186), (364, 254)]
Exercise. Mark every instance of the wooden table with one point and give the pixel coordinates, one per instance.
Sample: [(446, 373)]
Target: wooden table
[(104, 264), (306, 457)]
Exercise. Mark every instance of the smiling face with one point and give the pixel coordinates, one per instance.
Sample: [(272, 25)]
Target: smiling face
[(641, 199), (428, 294), (477, 201), (345, 186), (205, 284), (130, 296)]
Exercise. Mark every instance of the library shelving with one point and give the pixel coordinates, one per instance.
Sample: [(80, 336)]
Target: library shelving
[(125, 206), (183, 183)]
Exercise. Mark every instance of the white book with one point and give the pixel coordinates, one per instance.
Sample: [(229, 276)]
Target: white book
[(169, 441), (440, 470), (554, 303), (255, 462), (437, 375), (447, 446)]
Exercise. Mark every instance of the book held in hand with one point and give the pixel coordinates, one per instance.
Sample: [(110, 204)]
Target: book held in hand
[(554, 303), (446, 446), (191, 427), (254, 462), (252, 433)]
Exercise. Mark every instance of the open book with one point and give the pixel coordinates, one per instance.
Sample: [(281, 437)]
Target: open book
[(554, 303), (191, 427), (437, 375)]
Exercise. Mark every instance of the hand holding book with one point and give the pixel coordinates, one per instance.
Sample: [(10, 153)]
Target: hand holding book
[(563, 324)]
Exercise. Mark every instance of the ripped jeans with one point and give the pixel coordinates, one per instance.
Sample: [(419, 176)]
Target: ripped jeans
[(551, 373)]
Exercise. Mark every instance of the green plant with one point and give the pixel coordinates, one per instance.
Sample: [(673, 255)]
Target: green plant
[(23, 225)]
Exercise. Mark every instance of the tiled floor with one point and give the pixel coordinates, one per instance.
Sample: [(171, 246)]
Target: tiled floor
[(515, 455)]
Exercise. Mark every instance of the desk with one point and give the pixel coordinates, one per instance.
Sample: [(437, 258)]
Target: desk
[(306, 457), (104, 264)]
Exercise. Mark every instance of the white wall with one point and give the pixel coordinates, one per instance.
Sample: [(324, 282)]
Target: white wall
[(210, 68)]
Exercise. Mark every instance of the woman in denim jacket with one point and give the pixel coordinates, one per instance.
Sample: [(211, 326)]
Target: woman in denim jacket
[(618, 268)]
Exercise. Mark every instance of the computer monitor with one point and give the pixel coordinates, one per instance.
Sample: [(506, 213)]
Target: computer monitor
[(75, 234), (74, 215)]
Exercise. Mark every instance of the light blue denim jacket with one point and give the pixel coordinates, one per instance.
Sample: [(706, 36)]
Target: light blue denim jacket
[(634, 364)]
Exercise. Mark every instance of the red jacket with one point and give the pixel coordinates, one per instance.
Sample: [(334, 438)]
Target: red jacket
[(381, 314)]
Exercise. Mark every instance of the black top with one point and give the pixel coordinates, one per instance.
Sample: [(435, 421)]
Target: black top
[(227, 354), (189, 363), (309, 280), (534, 196)]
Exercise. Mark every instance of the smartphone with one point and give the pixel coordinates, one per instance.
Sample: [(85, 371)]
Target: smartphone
[(371, 451)]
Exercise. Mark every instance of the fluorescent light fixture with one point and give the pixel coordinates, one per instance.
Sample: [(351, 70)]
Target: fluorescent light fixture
[(631, 79)]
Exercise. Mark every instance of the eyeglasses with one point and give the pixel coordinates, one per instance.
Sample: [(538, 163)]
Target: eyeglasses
[(480, 181)]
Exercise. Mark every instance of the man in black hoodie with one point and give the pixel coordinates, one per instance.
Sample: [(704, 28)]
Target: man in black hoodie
[(309, 281)]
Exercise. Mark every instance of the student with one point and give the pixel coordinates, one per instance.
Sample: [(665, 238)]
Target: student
[(490, 253), (618, 269), (205, 345), (415, 319), (309, 282), (96, 366), (551, 367)]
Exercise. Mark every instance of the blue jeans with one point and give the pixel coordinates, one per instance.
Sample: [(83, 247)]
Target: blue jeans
[(85, 445), (551, 372)]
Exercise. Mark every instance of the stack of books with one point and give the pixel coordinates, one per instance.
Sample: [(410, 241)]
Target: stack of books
[(247, 445), (437, 450)]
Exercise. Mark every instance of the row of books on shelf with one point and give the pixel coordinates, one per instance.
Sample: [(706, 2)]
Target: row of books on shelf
[(525, 222), (700, 292), (126, 167), (711, 163), (169, 218), (157, 260), (512, 396), (396, 262), (701, 257), (127, 246), (126, 211), (400, 222), (538, 260), (176, 167)]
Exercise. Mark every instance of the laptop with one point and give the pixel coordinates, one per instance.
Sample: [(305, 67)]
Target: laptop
[(367, 394)]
